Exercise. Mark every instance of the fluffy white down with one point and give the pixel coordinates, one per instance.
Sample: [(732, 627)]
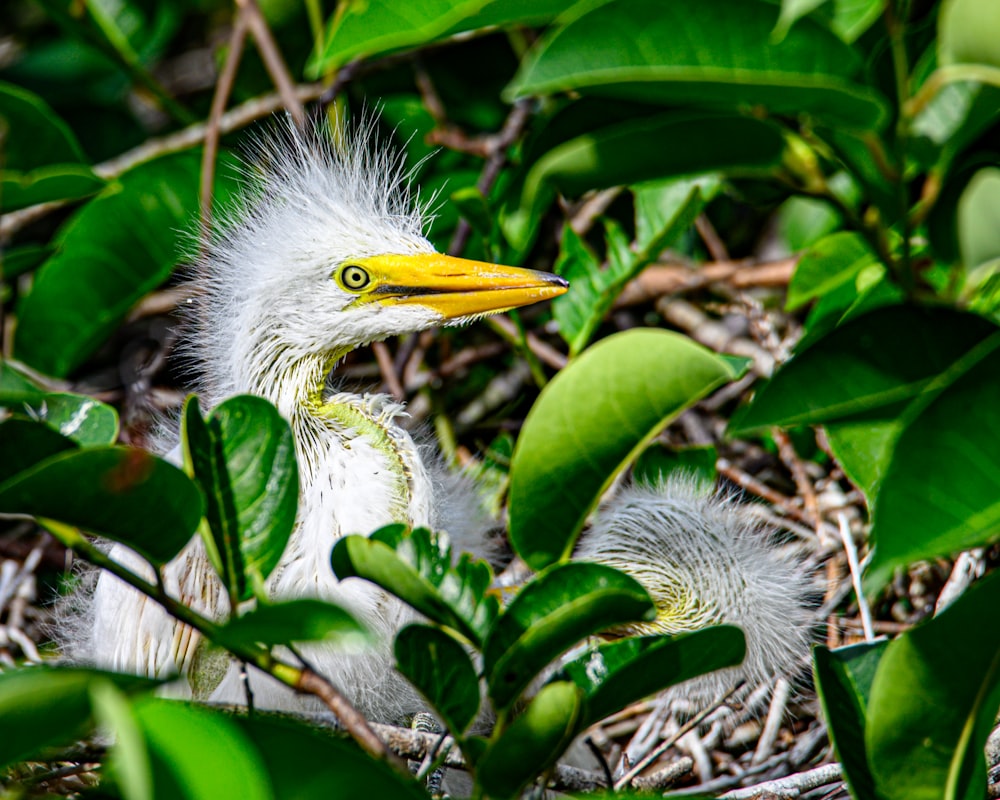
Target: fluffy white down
[(706, 559)]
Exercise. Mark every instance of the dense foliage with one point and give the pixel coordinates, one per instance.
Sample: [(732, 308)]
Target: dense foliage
[(588, 137)]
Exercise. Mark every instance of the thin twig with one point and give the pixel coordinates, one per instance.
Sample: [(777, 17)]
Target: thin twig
[(223, 88), (852, 563), (273, 60), (385, 364), (792, 786)]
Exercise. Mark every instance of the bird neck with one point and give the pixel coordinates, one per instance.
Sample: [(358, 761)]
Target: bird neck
[(298, 388)]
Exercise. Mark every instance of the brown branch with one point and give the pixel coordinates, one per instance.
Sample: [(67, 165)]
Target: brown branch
[(223, 88), (384, 359), (273, 60)]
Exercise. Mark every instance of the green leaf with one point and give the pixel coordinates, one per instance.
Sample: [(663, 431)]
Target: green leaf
[(243, 456), (955, 438), (100, 271), (663, 212), (934, 701), (376, 27), (630, 49), (122, 493), (863, 444), (440, 668), (88, 422), (657, 462), (978, 218), (615, 674), (416, 567), (16, 386), (641, 149), (42, 159), (50, 706), (307, 763), (197, 753), (876, 361), (129, 761), (844, 678), (24, 443), (554, 611), (589, 422), (967, 32), (847, 18), (533, 741), (302, 620), (832, 261)]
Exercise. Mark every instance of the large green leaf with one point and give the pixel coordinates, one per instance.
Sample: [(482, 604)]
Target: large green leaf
[(374, 27), (724, 57), (440, 668), (844, 678), (533, 741), (877, 361), (42, 159), (25, 443), (664, 210), (615, 674), (48, 706), (941, 493), (305, 619), (934, 701), (416, 567), (978, 219), (100, 270), (590, 420), (194, 753), (558, 608), (122, 493), (243, 456), (641, 149)]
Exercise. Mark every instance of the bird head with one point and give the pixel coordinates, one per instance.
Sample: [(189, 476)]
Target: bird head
[(324, 253)]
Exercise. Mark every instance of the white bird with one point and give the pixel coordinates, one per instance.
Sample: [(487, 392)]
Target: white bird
[(326, 254)]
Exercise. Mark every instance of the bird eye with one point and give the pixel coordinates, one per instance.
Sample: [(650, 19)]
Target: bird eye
[(354, 277)]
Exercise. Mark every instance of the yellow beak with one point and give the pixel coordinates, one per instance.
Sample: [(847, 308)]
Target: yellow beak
[(456, 287)]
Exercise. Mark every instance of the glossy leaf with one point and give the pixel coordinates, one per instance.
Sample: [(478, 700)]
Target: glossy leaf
[(375, 27), (615, 674), (305, 619), (17, 386), (640, 149), (533, 741), (663, 212), (88, 422), (630, 49), (416, 567), (243, 456), (589, 422), (934, 701), (122, 493), (877, 361), (944, 477), (49, 706), (848, 18), (441, 670), (25, 443), (195, 753), (844, 678), (307, 763), (83, 292), (832, 261), (42, 160), (558, 608), (129, 761)]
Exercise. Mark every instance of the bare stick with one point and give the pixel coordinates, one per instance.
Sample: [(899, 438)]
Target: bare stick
[(792, 786), (273, 60), (852, 562)]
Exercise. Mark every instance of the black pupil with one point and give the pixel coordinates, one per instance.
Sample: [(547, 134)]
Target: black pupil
[(355, 277)]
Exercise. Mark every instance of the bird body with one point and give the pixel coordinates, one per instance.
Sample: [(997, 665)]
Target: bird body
[(324, 254)]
